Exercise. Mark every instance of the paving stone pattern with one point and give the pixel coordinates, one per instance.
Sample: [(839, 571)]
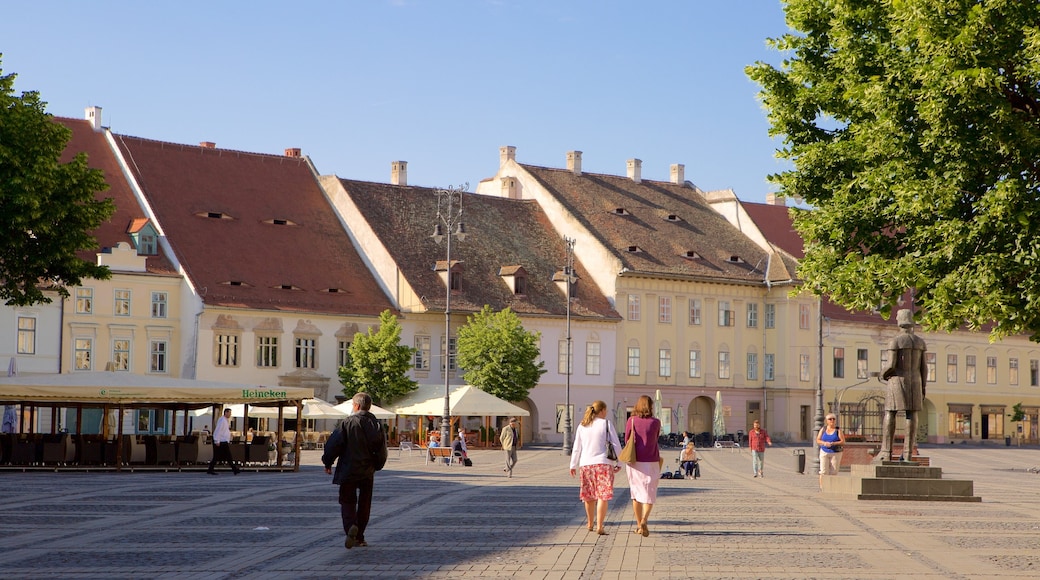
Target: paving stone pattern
[(434, 521)]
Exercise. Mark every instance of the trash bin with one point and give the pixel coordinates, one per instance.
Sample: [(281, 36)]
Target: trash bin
[(799, 460), (1007, 441)]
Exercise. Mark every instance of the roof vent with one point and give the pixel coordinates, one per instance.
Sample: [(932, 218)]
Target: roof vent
[(634, 249), (735, 260), (621, 211), (692, 255), (216, 215), (280, 222), (293, 152), (208, 145), (673, 218)]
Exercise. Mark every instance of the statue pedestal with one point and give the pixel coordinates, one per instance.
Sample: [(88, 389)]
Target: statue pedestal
[(899, 480)]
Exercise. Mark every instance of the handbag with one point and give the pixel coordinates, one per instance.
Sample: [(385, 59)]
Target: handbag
[(611, 452), (628, 454), (836, 448)]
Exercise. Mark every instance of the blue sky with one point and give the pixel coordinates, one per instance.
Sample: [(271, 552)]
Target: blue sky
[(441, 84)]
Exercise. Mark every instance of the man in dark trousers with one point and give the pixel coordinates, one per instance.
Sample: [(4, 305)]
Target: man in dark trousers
[(360, 446), (222, 444)]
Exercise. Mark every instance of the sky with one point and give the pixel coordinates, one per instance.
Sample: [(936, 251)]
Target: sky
[(441, 84)]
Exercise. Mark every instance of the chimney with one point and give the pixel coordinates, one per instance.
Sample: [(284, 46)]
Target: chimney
[(574, 162), (774, 199), (678, 173), (208, 145), (292, 152), (510, 188), (93, 114), (506, 153), (399, 173), (635, 169)]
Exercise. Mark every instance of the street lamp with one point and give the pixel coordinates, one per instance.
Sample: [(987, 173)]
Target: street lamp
[(449, 223), (569, 278)]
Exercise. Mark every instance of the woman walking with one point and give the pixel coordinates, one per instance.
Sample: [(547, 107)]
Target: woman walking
[(645, 473), (830, 439), (589, 453)]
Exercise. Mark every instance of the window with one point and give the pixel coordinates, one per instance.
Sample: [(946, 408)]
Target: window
[(769, 367), (565, 355), (84, 300), (695, 310), (227, 350), (723, 364), (633, 360), (451, 354), (884, 359), (664, 362), (770, 315), (422, 353), (969, 368), (146, 246), (159, 304), (122, 305), (1034, 372), (803, 367), (951, 368), (455, 279), (960, 422), (633, 307), (725, 314), (991, 370), (267, 351), (752, 315), (695, 364), (929, 366), (862, 365), (158, 358), (839, 363), (592, 350), (305, 351), (343, 353), (1013, 371), (803, 316), (752, 366), (664, 309), (26, 335), (84, 354), (121, 354)]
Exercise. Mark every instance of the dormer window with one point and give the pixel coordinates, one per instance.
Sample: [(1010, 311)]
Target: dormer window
[(735, 260), (673, 218), (453, 278), (286, 287), (144, 237), (516, 277), (621, 211), (634, 249), (216, 215), (236, 283), (692, 255), (280, 222)]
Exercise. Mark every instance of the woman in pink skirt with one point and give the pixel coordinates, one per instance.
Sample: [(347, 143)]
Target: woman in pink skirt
[(597, 470), (645, 473)]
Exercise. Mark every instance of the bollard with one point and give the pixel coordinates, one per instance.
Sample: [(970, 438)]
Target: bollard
[(799, 460)]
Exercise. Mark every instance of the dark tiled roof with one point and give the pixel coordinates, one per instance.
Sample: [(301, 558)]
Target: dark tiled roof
[(218, 209), (775, 223), (662, 243), (501, 233), (99, 156)]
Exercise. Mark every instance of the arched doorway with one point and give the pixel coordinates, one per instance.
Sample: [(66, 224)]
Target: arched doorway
[(700, 413)]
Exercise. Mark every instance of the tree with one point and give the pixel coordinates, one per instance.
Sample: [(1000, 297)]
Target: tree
[(914, 132), (379, 363), (48, 207), (498, 355)]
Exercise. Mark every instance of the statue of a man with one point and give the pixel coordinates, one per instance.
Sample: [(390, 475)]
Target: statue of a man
[(906, 375)]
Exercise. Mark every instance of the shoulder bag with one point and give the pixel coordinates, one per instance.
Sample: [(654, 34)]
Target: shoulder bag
[(628, 454), (611, 452)]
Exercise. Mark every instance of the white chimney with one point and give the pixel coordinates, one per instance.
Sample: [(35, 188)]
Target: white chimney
[(678, 173), (635, 169), (93, 114), (506, 153), (774, 199), (510, 188), (574, 162), (399, 173)]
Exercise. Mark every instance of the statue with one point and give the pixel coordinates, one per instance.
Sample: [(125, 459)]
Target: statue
[(906, 375)]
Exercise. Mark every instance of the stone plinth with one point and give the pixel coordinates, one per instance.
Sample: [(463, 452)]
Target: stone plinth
[(897, 480)]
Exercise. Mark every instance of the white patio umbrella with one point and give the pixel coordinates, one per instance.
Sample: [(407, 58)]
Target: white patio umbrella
[(718, 424)]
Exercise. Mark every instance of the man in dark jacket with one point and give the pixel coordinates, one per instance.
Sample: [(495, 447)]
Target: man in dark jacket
[(360, 445)]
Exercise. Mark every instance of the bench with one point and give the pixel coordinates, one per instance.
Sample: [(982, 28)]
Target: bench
[(731, 445), (443, 455)]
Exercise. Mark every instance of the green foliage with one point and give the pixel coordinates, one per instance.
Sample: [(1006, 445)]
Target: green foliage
[(48, 207), (914, 131), (1017, 413), (498, 355), (379, 363)]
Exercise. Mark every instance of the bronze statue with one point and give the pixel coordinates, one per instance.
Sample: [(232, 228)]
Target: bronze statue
[(906, 375)]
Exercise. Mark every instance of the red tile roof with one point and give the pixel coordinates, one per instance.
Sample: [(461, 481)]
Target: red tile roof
[(252, 230), (501, 235)]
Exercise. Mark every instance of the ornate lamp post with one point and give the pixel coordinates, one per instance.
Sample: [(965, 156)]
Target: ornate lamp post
[(818, 415), (449, 223), (569, 278)]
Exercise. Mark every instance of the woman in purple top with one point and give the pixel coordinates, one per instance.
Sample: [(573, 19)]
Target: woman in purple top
[(645, 473)]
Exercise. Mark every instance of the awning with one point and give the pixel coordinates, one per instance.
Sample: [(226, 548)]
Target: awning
[(464, 400)]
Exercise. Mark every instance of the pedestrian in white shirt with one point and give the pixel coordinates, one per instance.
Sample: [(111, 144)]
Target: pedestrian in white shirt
[(597, 469)]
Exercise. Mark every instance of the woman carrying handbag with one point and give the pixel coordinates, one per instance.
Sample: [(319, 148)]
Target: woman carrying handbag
[(595, 453), (642, 431)]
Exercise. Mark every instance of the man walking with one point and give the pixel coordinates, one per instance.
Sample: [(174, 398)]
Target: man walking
[(510, 438), (758, 438), (222, 444), (359, 444)]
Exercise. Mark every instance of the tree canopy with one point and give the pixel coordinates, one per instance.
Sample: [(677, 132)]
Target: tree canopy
[(379, 363), (48, 207), (914, 132), (499, 356)]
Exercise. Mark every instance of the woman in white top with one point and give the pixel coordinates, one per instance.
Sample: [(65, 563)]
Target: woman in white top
[(597, 471)]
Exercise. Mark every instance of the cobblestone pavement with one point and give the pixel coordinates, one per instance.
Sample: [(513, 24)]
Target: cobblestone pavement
[(434, 521)]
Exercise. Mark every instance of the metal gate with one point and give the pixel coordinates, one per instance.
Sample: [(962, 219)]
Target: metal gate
[(865, 417)]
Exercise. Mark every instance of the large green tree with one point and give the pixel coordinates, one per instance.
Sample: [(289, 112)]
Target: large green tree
[(48, 208), (913, 127), (498, 355), (379, 363)]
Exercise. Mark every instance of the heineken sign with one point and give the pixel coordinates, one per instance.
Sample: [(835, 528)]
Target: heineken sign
[(269, 394)]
